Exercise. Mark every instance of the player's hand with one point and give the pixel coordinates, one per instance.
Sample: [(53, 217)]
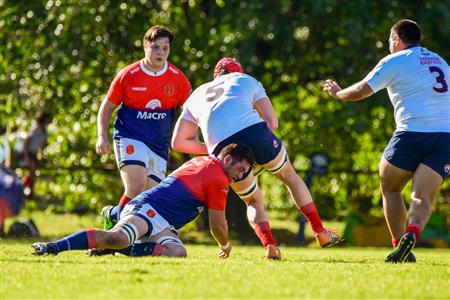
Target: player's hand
[(103, 146), (225, 252), (331, 87)]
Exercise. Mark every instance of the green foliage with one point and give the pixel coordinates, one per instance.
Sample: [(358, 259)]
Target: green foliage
[(351, 273), (62, 55)]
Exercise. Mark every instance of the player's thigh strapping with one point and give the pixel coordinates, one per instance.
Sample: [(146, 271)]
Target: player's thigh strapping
[(156, 223), (269, 153), (134, 152)]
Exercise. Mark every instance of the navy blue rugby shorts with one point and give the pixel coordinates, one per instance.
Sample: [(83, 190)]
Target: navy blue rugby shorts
[(259, 138), (407, 149)]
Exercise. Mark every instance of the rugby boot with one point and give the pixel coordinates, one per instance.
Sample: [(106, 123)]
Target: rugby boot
[(411, 258), (273, 252), (42, 248), (403, 249), (328, 238), (108, 223)]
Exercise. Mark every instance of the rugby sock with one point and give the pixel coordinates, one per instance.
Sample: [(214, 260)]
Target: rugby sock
[(143, 249), (264, 233), (310, 212), (77, 241), (395, 242), (414, 228), (115, 213), (124, 200)]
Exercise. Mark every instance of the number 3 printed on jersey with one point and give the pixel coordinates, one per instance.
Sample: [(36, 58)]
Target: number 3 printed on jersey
[(439, 79)]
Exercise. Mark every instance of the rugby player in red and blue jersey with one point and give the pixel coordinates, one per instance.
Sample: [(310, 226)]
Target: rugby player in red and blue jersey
[(200, 183), (148, 92)]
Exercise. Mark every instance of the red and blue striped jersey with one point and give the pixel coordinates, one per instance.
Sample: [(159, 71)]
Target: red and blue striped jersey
[(148, 103), (198, 184)]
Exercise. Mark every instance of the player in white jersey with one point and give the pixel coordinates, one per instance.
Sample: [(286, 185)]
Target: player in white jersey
[(417, 83), (235, 107)]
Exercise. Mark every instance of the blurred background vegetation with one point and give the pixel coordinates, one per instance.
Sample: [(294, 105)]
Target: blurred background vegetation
[(61, 56)]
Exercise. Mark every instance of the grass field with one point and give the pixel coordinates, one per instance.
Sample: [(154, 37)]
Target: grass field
[(341, 273), (338, 273)]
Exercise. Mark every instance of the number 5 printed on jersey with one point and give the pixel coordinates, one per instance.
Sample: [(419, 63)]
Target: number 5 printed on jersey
[(214, 92)]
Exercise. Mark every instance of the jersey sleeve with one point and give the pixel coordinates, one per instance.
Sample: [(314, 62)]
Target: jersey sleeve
[(116, 92), (217, 187), (260, 92), (383, 74), (186, 114), (185, 89)]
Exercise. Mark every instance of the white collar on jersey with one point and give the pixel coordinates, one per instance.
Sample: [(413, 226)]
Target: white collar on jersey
[(151, 73)]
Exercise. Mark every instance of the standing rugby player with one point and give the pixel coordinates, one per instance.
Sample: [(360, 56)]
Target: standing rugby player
[(417, 83), (148, 92), (234, 107)]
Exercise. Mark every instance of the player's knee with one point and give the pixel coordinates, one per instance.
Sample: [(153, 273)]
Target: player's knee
[(421, 200), (133, 190), (134, 186)]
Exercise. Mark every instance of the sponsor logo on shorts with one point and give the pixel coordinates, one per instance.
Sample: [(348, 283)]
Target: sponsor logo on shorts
[(447, 168), (170, 90), (275, 144), (129, 149), (151, 213)]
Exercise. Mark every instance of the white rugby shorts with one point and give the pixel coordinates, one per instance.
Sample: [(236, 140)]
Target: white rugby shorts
[(133, 152)]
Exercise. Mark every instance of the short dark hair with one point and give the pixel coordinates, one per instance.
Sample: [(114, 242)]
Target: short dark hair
[(156, 32), (239, 152), (408, 31)]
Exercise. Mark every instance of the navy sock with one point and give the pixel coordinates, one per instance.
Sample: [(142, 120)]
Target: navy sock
[(141, 249), (115, 213), (77, 241)]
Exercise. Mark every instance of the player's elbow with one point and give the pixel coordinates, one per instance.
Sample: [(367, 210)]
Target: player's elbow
[(176, 143)]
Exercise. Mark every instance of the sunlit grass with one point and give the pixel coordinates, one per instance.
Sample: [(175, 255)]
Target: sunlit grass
[(303, 273)]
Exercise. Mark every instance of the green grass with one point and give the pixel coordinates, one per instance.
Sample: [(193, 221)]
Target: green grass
[(339, 273)]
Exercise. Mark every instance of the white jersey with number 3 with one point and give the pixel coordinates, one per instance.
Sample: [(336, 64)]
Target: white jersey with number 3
[(224, 106), (417, 81)]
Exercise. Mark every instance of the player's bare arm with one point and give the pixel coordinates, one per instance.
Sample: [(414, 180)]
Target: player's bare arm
[(219, 230), (104, 116), (265, 110), (355, 92), (185, 138)]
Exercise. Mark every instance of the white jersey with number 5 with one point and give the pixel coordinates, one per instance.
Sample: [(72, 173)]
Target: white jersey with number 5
[(417, 81), (224, 106)]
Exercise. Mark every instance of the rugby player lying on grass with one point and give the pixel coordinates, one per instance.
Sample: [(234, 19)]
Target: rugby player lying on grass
[(157, 213)]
